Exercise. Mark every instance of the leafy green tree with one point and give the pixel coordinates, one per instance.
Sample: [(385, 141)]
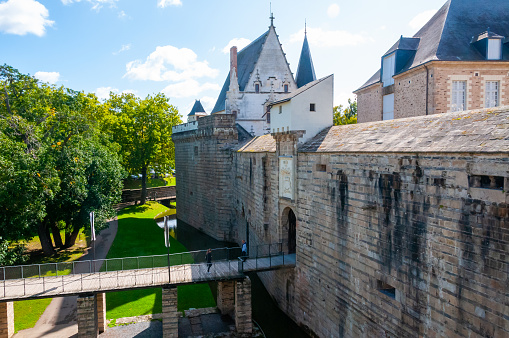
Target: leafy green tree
[(346, 115), (56, 165), (142, 128)]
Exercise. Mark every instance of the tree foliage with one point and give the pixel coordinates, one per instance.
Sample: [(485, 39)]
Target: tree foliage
[(142, 128), (55, 163), (345, 115)]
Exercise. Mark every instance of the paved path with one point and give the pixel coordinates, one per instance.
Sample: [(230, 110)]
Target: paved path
[(59, 318)]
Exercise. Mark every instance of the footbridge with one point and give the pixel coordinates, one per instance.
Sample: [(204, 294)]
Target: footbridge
[(90, 280)]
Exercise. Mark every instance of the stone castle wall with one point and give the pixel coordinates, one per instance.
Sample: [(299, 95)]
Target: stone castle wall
[(389, 243), (204, 177)]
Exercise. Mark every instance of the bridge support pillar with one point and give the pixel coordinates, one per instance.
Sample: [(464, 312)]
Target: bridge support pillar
[(243, 312), (6, 319), (87, 316), (101, 312), (226, 297), (170, 312)]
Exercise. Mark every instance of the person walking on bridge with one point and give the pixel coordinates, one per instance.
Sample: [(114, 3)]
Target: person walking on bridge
[(208, 257), (244, 250)]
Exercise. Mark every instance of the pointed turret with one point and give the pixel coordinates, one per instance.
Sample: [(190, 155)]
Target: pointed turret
[(197, 112), (305, 70)]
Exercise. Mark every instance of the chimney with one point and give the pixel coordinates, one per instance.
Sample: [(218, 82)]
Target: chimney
[(233, 60)]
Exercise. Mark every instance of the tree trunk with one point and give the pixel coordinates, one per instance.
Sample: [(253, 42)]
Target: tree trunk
[(56, 236), (143, 185), (45, 239), (71, 240)]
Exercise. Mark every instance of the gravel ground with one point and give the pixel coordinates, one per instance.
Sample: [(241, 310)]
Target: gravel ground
[(138, 330)]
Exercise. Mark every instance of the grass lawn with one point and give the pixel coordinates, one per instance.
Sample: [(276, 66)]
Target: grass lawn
[(151, 182), (28, 312), (139, 235)]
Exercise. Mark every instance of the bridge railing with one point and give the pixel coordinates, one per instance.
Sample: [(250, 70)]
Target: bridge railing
[(114, 264)]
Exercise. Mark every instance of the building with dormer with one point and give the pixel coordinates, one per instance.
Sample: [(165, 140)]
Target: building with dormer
[(459, 60), (260, 74)]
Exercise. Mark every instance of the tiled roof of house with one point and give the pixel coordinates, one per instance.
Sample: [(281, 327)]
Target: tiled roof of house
[(305, 69), (477, 131), (246, 61), (197, 108), (447, 36)]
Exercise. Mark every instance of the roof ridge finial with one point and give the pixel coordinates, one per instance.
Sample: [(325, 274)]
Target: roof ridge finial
[(305, 28), (271, 15)]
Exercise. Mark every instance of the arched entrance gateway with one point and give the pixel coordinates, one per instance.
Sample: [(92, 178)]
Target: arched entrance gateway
[(289, 222)]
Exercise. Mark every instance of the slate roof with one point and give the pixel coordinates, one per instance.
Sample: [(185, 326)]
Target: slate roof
[(259, 144), (291, 95), (448, 34), (246, 61), (197, 108), (477, 131), (305, 69)]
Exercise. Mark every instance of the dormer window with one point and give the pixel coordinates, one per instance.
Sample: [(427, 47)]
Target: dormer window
[(257, 88), (494, 49), (388, 65)]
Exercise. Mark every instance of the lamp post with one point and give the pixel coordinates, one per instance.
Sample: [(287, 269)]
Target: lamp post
[(92, 236), (167, 244)]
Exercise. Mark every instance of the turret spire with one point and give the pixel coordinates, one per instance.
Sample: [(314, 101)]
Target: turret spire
[(305, 70)]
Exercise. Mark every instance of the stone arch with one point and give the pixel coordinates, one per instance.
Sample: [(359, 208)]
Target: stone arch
[(289, 230)]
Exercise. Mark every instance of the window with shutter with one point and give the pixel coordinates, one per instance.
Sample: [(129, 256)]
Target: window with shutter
[(388, 70), (388, 107), (494, 49)]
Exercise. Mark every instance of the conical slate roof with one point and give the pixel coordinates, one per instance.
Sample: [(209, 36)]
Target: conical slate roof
[(197, 108), (305, 70), (447, 36)]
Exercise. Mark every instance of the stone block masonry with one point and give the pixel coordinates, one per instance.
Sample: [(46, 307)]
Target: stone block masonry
[(101, 312), (6, 319), (87, 316), (170, 312), (226, 297), (243, 311)]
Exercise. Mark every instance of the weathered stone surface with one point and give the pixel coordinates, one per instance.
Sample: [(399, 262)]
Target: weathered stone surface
[(243, 311), (101, 312), (372, 213), (87, 316), (170, 312), (6, 319), (226, 297)]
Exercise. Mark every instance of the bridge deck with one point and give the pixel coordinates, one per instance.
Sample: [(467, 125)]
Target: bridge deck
[(55, 286)]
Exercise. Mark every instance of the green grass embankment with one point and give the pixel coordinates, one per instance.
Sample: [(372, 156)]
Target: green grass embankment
[(139, 235)]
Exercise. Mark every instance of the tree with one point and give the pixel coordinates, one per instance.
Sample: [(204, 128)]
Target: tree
[(347, 115), (56, 165), (142, 128)]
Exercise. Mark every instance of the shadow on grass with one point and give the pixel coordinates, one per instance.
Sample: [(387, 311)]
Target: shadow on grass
[(135, 209)]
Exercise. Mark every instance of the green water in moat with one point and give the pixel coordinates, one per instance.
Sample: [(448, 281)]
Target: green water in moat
[(274, 322)]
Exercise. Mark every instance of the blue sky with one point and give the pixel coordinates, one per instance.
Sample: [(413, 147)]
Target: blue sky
[(179, 47)]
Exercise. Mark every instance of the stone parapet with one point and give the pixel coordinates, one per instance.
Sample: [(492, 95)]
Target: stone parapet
[(243, 311), (226, 297), (170, 312), (87, 316), (6, 319)]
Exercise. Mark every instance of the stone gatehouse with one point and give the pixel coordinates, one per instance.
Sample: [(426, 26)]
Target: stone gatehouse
[(400, 228)]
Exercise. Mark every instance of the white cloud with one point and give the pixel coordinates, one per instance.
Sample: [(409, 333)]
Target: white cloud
[(239, 42), (333, 11), (420, 19), (96, 4), (324, 38), (22, 17), (123, 49), (50, 77), (168, 63), (103, 93), (166, 3), (188, 88), (208, 103), (122, 15)]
